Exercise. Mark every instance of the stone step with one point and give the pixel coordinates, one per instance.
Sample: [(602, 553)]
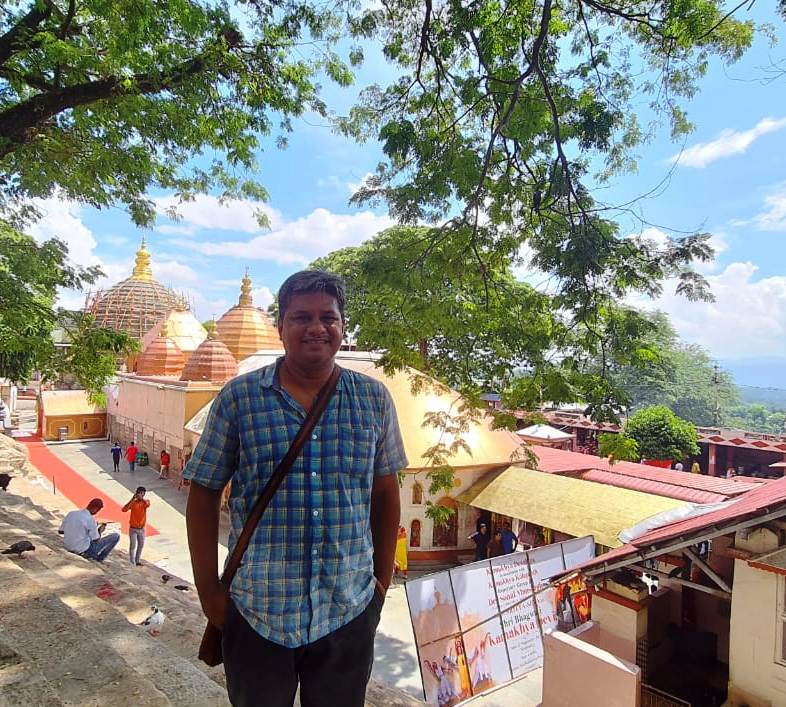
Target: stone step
[(78, 664), (178, 678)]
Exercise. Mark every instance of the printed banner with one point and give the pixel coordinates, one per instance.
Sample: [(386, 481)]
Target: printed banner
[(481, 625)]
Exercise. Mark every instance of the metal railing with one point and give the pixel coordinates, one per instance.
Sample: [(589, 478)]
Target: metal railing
[(653, 697)]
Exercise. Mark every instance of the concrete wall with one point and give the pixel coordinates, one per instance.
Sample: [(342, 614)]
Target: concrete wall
[(576, 672), (620, 626), (755, 636), (88, 426)]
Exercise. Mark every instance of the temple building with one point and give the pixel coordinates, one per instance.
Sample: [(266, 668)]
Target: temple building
[(182, 327), (134, 305), (162, 356), (246, 329)]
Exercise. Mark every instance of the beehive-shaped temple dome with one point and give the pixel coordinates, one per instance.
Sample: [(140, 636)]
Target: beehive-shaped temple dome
[(182, 327), (134, 305), (162, 357), (245, 329), (212, 362)]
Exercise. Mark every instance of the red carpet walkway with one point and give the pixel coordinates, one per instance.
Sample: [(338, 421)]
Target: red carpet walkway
[(73, 486)]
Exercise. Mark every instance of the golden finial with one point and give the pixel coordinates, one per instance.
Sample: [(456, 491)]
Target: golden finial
[(245, 292), (164, 331), (142, 269)]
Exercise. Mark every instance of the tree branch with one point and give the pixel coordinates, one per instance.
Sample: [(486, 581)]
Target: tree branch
[(19, 123), (9, 42)]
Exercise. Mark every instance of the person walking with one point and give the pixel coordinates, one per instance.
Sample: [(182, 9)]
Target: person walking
[(117, 452), (481, 540), (82, 536), (304, 605), (164, 467), (138, 506), (131, 454)]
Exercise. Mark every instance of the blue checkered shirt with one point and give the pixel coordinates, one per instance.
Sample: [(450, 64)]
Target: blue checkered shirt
[(309, 567)]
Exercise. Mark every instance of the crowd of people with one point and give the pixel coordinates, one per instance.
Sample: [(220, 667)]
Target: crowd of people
[(502, 542)]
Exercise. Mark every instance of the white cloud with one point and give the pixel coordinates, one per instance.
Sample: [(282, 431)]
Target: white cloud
[(354, 186), (174, 273), (62, 219), (729, 142), (208, 212), (747, 319), (718, 241), (262, 296), (773, 218), (298, 242)]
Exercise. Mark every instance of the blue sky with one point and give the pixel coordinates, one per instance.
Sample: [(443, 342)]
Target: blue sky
[(730, 180)]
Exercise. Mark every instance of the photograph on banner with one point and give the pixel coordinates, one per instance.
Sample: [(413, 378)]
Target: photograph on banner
[(512, 579), (572, 603), (446, 677), (523, 636), (487, 656), (547, 609), (473, 587), (432, 608)]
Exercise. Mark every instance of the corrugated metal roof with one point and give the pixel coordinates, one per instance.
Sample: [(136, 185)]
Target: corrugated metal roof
[(571, 506), (556, 461), (766, 498), (655, 487)]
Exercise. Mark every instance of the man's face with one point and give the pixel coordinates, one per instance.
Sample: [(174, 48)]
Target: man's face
[(312, 329)]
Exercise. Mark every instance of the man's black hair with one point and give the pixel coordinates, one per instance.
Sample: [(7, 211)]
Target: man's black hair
[(141, 489), (307, 282)]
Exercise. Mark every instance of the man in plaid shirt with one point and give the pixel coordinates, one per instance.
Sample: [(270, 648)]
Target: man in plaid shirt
[(305, 604)]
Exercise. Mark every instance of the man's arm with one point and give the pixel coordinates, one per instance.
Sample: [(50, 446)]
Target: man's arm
[(202, 525), (127, 507), (385, 516)]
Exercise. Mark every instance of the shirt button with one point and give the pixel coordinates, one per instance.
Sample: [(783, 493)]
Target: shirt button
[(316, 513), (313, 473), (315, 551), (314, 436)]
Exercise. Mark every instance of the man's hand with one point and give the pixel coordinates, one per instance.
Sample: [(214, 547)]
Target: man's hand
[(214, 604)]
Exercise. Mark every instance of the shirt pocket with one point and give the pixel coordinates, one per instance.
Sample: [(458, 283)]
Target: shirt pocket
[(358, 453)]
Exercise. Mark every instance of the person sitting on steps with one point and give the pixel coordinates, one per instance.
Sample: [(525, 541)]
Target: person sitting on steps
[(82, 536)]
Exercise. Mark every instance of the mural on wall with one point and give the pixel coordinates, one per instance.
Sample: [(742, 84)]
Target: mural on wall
[(446, 534), (414, 533)]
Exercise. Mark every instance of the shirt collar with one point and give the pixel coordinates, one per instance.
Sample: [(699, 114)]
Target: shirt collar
[(269, 377)]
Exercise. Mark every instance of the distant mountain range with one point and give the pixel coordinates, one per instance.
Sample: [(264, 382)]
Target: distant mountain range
[(767, 373), (760, 380)]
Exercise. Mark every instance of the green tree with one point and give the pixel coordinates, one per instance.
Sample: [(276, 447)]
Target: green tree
[(660, 434), (508, 115), (103, 100), (681, 376), (30, 275)]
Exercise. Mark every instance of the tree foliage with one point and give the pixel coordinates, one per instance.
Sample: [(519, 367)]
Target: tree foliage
[(103, 100), (660, 434), (30, 275), (681, 376)]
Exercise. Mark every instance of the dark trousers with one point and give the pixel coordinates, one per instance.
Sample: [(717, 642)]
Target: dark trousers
[(332, 671)]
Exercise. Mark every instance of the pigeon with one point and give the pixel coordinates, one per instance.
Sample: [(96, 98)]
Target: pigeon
[(165, 578), (182, 587), (153, 623), (19, 547), (5, 479)]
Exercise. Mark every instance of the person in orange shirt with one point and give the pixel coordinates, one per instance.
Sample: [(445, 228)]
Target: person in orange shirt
[(138, 506), (165, 459)]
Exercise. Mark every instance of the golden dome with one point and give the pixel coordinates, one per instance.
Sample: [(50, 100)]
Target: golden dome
[(182, 327), (135, 304), (212, 361), (162, 357), (245, 329)]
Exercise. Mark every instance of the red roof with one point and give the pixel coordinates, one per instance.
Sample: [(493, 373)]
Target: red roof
[(558, 461), (658, 488), (761, 500)]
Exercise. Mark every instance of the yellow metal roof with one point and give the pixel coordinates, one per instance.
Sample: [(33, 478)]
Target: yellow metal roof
[(571, 506)]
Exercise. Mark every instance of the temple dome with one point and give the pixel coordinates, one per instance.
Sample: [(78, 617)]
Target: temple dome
[(162, 357), (136, 304), (212, 362), (245, 329), (182, 327)]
